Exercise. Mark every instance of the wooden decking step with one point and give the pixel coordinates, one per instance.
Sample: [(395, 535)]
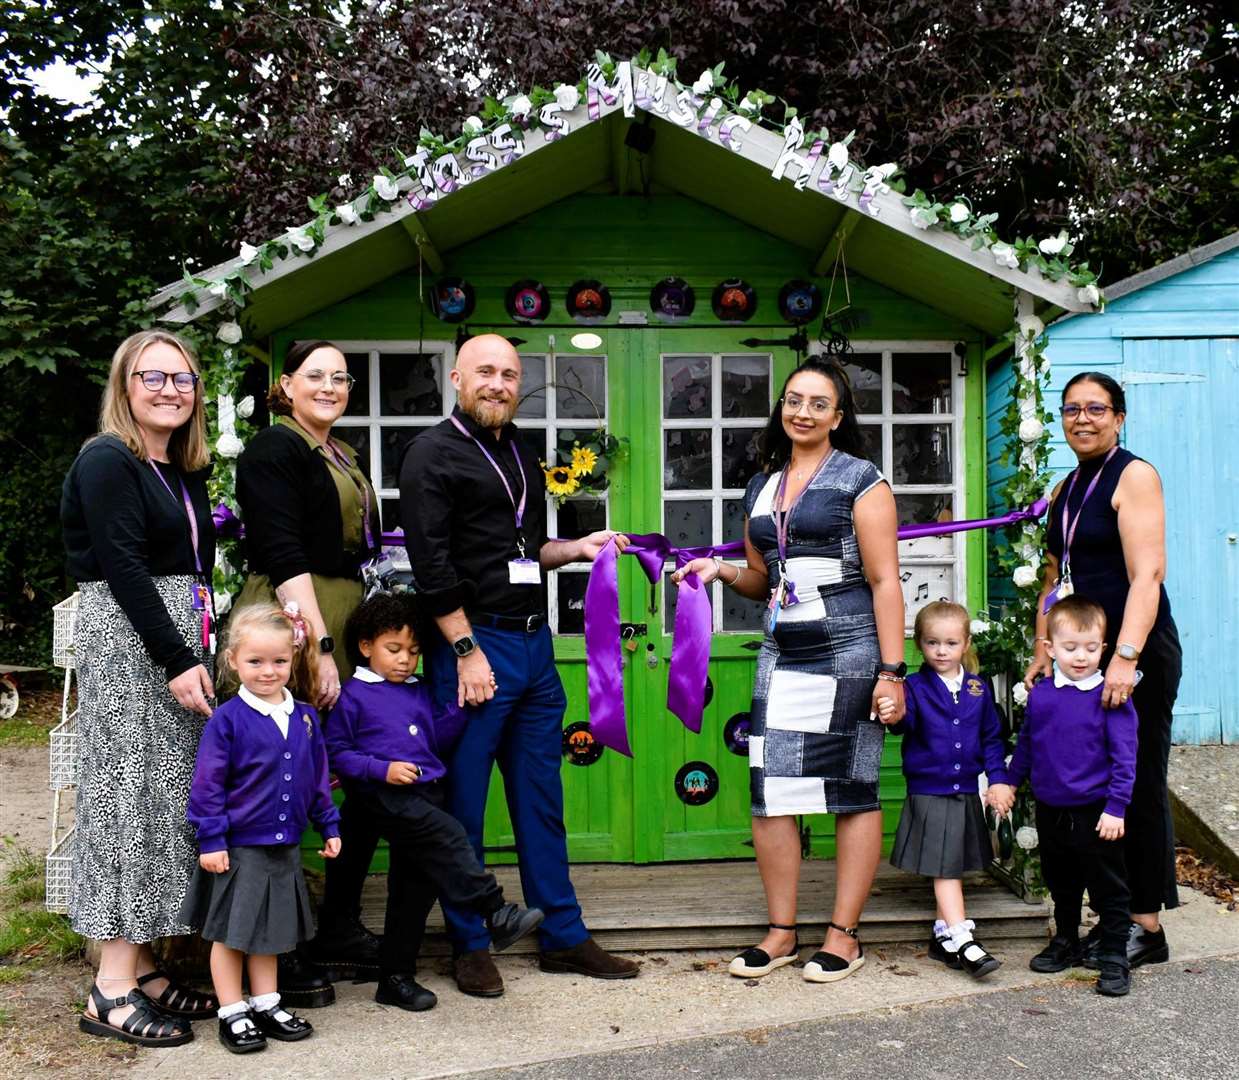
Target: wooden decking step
[(707, 905)]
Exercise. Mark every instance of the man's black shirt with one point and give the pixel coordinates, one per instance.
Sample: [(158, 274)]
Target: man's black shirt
[(459, 523)]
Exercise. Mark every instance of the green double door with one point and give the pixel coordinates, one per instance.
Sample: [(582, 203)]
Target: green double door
[(690, 404)]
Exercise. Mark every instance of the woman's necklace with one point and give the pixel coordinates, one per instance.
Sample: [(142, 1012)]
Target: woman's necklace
[(799, 472)]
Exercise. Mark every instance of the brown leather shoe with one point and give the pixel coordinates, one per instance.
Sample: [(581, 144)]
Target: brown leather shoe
[(588, 959), (476, 974)]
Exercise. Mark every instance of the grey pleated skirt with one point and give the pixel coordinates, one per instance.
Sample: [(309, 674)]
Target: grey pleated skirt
[(259, 905), (942, 836)]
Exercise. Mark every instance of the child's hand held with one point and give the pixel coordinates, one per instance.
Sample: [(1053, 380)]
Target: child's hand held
[(331, 848), (214, 862), (1110, 827), (402, 772)]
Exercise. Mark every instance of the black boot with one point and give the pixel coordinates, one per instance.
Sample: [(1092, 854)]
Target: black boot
[(1115, 977), (1060, 954), (344, 948), (302, 985), (405, 992)]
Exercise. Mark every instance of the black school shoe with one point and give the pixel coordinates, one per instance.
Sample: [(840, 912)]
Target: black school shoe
[(345, 949), (1143, 947), (294, 1029), (938, 951), (511, 923), (405, 992), (1115, 977), (246, 1039), (302, 984), (976, 961), (1060, 954)]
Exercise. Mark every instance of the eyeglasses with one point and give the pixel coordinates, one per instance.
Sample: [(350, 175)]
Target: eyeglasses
[(340, 380), (793, 403), (1094, 410), (184, 381)]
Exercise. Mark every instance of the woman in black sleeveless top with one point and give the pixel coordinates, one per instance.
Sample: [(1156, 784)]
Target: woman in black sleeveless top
[(1117, 557)]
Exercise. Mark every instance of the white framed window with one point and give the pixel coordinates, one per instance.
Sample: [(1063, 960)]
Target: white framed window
[(714, 406), (563, 399), (909, 402)]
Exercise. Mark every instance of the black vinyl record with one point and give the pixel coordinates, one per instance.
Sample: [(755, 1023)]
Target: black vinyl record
[(452, 299), (733, 301), (589, 300), (736, 734), (528, 301), (696, 783), (673, 298), (800, 302), (579, 745)]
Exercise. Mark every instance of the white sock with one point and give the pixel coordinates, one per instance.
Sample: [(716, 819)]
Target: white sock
[(238, 1014), (266, 1002), (961, 933), (941, 930)]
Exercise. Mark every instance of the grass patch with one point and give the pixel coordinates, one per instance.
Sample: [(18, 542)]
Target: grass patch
[(37, 714), (6, 1017), (28, 932), (9, 974)]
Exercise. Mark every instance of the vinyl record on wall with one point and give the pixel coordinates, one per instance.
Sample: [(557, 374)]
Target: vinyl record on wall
[(736, 734), (696, 783), (800, 302), (589, 300), (528, 301), (672, 298), (733, 301), (452, 299), (579, 745)]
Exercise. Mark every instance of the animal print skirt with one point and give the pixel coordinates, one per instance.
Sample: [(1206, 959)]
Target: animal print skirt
[(133, 850)]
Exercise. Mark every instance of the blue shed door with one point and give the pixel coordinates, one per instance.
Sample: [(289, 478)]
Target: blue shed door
[(1181, 395)]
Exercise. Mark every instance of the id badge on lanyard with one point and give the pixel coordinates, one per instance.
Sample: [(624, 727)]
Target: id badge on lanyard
[(784, 595), (1063, 587), (200, 597)]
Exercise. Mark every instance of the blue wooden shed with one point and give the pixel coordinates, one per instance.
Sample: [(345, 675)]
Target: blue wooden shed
[(1170, 336)]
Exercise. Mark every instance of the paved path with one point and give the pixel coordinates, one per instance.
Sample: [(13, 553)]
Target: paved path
[(1178, 1024)]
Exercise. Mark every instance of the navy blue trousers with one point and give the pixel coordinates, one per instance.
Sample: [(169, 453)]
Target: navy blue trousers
[(521, 730)]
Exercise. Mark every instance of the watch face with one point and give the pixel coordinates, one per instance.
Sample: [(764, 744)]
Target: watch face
[(463, 646), (326, 645)]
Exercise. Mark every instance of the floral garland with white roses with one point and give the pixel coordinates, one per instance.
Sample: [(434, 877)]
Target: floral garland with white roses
[(712, 93)]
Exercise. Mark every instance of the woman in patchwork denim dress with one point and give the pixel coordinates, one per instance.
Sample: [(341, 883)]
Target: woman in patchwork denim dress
[(822, 550)]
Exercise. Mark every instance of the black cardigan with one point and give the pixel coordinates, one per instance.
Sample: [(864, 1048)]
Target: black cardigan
[(121, 526), (291, 510)]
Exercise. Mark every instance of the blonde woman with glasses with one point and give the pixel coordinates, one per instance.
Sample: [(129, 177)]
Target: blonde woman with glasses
[(141, 545)]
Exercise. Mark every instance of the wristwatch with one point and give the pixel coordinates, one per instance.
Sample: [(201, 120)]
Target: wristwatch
[(1127, 652), (899, 671), (462, 647), (327, 645)]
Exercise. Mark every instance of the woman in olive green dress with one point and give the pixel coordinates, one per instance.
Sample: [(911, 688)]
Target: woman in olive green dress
[(311, 520)]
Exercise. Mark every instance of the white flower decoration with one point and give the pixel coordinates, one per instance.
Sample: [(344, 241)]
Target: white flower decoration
[(248, 253), (229, 333), (1090, 294), (923, 217), (472, 125), (1030, 326), (522, 106), (1018, 694), (1026, 837), (223, 599), (1053, 245), (385, 187), (837, 156), (567, 97), (978, 626), (1031, 429), (301, 240), (345, 180), (1004, 255), (1024, 576), (245, 407), (959, 213), (752, 105), (228, 445), (704, 83), (346, 213), (218, 288)]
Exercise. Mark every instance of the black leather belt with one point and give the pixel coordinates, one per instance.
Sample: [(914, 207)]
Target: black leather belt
[(528, 623)]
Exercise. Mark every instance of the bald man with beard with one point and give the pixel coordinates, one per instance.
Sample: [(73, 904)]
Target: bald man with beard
[(473, 505)]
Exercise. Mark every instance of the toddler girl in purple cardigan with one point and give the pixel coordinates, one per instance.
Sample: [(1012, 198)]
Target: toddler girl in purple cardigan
[(260, 778)]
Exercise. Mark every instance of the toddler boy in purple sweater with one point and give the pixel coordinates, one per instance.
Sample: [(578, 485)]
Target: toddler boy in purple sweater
[(1081, 759), (386, 741)]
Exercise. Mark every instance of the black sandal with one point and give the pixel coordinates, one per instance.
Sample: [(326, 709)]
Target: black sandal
[(145, 1026), (824, 967), (181, 1001), (754, 963)]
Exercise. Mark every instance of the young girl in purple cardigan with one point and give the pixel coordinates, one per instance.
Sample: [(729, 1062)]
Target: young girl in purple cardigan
[(951, 733), (261, 776)]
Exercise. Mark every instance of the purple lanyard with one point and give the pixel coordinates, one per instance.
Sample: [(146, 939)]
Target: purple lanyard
[(189, 513), (781, 519), (517, 508), (338, 459), (1069, 531)]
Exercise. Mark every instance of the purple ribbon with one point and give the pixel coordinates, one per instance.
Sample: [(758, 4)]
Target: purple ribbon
[(227, 525)]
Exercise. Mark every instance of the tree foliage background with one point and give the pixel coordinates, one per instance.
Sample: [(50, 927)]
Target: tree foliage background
[(215, 121)]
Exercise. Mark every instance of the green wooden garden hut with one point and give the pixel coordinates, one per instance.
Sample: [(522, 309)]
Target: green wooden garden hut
[(627, 180)]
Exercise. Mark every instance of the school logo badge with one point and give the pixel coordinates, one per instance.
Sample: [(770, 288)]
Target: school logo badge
[(976, 688), (309, 725)]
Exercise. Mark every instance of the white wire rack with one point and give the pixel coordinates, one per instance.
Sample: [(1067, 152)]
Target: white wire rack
[(62, 761), (64, 618), (60, 872), (62, 752)]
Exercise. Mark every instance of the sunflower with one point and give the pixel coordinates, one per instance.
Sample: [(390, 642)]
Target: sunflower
[(560, 481), (583, 460)]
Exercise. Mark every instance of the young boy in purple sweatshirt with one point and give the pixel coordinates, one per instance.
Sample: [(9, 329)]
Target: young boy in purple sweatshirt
[(386, 741), (1082, 762)]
